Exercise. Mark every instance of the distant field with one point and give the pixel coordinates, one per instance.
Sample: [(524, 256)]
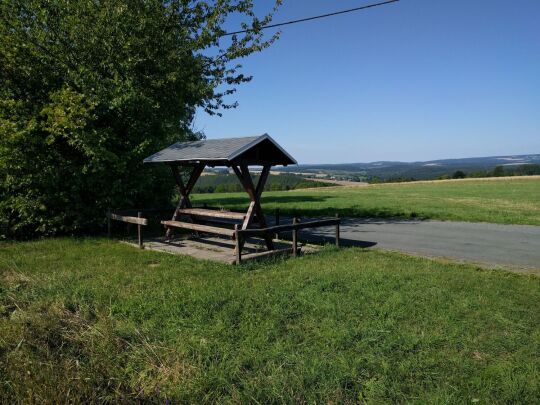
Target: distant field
[(97, 321), (505, 201)]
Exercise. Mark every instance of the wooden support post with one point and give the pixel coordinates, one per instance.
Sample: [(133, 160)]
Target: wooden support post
[(184, 190), (139, 232), (238, 248), (294, 238), (277, 222), (109, 223), (254, 210), (337, 231)]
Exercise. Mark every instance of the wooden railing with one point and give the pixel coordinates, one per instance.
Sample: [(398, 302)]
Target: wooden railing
[(138, 220), (238, 234), (295, 226)]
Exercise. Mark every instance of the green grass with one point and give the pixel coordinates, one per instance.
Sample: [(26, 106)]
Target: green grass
[(512, 201), (91, 320)]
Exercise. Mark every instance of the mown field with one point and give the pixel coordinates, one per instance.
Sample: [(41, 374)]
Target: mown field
[(92, 320), (506, 201)]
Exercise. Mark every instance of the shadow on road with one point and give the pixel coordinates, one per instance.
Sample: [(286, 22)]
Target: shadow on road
[(322, 237)]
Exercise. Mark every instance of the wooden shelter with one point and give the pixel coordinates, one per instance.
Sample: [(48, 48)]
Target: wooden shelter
[(236, 153)]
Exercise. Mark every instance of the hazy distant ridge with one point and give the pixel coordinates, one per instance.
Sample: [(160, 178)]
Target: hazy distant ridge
[(419, 170)]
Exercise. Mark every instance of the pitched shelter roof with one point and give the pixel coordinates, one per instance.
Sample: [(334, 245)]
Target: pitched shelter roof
[(251, 150)]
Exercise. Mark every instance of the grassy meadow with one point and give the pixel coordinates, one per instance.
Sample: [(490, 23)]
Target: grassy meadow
[(93, 320), (505, 201)]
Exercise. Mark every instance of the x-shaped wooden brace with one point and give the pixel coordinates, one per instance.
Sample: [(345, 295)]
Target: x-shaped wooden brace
[(184, 190), (254, 193)]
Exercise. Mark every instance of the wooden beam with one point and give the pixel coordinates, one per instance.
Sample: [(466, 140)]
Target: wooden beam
[(254, 193), (201, 228), (194, 176), (262, 180), (257, 196), (337, 230), (178, 179), (238, 247), (289, 227), (250, 187), (139, 232), (131, 220), (201, 212), (109, 223), (268, 253), (249, 215), (185, 190), (244, 181), (294, 238)]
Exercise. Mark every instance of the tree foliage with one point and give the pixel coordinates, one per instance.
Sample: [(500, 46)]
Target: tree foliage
[(227, 183), (89, 88)]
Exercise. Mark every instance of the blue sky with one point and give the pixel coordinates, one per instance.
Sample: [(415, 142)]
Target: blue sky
[(413, 80)]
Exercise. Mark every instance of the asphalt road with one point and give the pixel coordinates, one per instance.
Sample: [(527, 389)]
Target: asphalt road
[(513, 246)]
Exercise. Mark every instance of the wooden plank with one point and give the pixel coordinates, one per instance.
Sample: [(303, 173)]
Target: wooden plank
[(131, 220), (201, 228), (289, 227), (268, 253), (201, 212)]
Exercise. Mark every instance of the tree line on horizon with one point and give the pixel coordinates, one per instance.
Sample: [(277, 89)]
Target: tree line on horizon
[(529, 169), (227, 183)]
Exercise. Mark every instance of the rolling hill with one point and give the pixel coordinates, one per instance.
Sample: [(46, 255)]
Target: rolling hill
[(419, 170)]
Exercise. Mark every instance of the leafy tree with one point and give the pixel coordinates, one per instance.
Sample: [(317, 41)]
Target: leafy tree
[(459, 174), (527, 170), (498, 171), (90, 87)]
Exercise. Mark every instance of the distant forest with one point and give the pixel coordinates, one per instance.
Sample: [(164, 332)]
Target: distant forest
[(499, 171), (228, 183)]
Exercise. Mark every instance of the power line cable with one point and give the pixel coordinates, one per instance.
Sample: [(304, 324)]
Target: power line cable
[(314, 17)]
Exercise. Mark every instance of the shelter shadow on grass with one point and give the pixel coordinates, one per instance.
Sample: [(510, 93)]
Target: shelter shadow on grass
[(310, 206)]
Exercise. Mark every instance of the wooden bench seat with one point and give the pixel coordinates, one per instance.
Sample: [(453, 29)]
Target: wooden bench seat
[(203, 212), (201, 228)]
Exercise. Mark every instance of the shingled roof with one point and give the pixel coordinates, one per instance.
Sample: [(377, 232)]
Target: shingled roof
[(251, 150)]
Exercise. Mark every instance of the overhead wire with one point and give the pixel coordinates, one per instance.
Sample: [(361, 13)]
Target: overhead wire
[(382, 3)]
